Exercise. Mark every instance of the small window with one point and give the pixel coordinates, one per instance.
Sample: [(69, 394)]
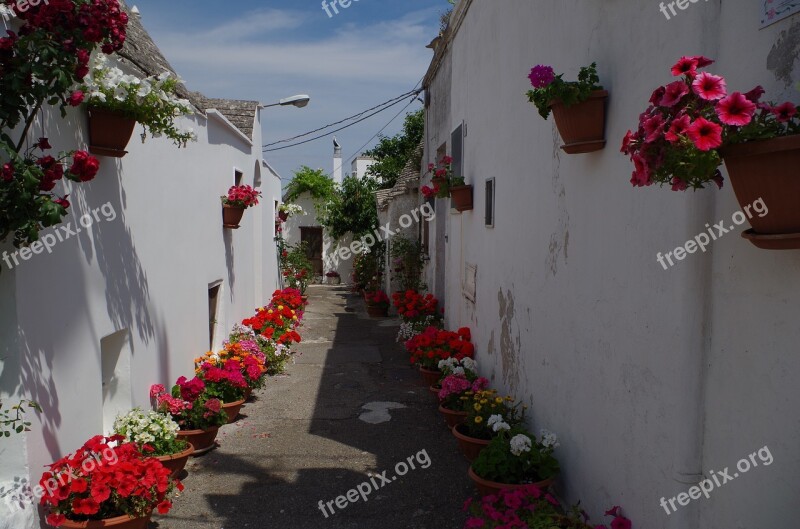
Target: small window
[(238, 176), (213, 313), (489, 219), (457, 150)]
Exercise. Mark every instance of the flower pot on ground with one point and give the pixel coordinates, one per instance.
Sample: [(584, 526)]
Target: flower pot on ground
[(176, 462), (159, 433), (579, 107), (333, 278), (378, 311), (377, 303), (120, 522), (470, 446), (452, 417), (486, 487), (435, 389), (232, 409), (430, 376), (201, 440), (235, 202), (461, 197), (765, 173), (109, 132)]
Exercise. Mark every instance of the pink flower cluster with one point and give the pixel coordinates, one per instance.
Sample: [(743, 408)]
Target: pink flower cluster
[(541, 76), (242, 196), (458, 384), (689, 119), (165, 401), (230, 372)]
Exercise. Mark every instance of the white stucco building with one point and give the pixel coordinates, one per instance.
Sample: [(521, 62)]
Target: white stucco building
[(136, 294), (652, 378)]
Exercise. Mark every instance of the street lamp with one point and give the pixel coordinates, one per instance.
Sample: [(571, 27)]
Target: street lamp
[(298, 101)]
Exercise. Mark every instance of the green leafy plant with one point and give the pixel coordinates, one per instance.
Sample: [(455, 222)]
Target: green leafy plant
[(548, 87), (353, 208), (368, 268), (314, 182), (516, 457), (151, 101), (297, 268), (12, 419), (489, 414), (393, 153), (408, 260)]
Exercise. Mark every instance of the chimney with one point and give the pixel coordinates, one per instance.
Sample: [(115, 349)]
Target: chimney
[(337, 161)]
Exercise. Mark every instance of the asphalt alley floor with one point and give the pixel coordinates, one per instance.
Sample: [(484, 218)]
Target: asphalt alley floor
[(349, 409)]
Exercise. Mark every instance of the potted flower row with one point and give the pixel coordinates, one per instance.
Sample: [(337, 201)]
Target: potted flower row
[(695, 123), (433, 344)]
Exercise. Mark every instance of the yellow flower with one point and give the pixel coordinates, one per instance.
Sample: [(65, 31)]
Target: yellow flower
[(280, 307), (478, 419), (477, 407), (498, 400), (293, 311), (269, 311), (484, 401)]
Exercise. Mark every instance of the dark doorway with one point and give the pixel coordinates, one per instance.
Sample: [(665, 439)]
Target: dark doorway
[(312, 237)]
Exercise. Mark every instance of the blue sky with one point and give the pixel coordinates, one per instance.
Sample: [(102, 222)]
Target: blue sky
[(246, 49)]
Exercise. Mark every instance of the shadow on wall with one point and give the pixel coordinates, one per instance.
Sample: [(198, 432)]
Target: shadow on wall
[(227, 236)]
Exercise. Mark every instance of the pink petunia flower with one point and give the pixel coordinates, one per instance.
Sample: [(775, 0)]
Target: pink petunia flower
[(653, 128), (674, 93), (735, 109), (706, 135), (784, 112), (685, 66), (678, 128), (709, 87)]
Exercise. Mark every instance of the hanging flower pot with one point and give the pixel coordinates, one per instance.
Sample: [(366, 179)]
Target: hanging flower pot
[(582, 125), (120, 522), (470, 446), (486, 487), (176, 462), (461, 197), (109, 132), (202, 440), (232, 409), (767, 170), (231, 217)]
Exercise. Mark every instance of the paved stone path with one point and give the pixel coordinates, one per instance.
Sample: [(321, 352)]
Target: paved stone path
[(349, 407)]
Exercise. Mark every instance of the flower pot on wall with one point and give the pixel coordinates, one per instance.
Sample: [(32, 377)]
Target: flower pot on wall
[(582, 126), (768, 170), (231, 217), (109, 132), (120, 522), (486, 487), (461, 197)]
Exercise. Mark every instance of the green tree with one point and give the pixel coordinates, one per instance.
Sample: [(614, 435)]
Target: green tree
[(393, 153), (316, 183), (353, 210)]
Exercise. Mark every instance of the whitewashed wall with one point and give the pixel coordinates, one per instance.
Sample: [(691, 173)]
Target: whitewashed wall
[(650, 377), (146, 273)]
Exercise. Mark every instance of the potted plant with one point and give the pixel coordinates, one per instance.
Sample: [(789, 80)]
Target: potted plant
[(159, 434), (455, 397), (530, 506), (224, 380), (333, 277), (238, 199), (488, 414), (289, 210), (466, 367), (460, 194), (442, 179), (434, 344), (513, 459), (377, 303), (297, 268), (275, 355), (579, 107), (241, 347), (693, 124), (414, 307), (106, 483), (116, 101), (198, 415)]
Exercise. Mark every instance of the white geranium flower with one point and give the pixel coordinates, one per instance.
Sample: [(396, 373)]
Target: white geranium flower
[(520, 443), (458, 370), (144, 89), (469, 364), (100, 96), (549, 439), (496, 423)]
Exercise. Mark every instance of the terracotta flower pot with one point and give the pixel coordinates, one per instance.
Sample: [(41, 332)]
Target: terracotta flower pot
[(768, 170), (248, 393), (231, 217), (109, 132), (470, 446), (582, 126), (430, 376), (120, 522), (232, 409), (435, 389), (333, 280), (486, 487), (201, 440), (378, 311), (453, 418), (176, 462), (461, 197)]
